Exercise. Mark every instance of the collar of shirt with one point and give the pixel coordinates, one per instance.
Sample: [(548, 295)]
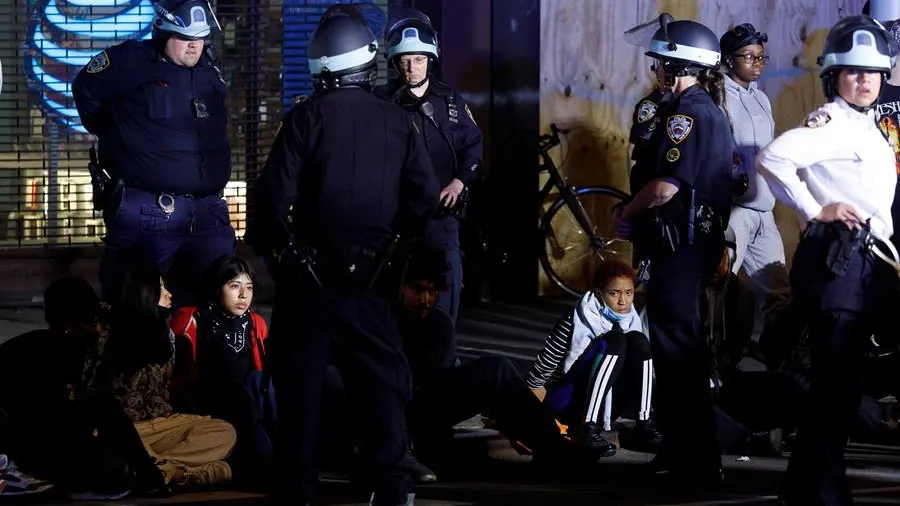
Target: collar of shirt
[(851, 113), (732, 85)]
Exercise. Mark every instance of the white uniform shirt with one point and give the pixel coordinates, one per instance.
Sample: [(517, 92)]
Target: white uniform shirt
[(839, 156)]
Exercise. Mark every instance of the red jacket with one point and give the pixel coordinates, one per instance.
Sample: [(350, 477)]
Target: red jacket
[(184, 325)]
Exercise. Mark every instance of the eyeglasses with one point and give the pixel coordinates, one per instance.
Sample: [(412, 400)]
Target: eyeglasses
[(752, 59), (413, 60)]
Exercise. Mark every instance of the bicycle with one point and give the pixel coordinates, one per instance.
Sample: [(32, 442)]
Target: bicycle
[(577, 231)]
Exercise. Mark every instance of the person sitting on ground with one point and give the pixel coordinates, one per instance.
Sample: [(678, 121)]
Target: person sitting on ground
[(445, 394), (597, 347), (53, 416), (139, 360), (226, 340)]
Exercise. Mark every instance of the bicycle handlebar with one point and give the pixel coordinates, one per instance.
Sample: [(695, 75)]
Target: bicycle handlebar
[(548, 141)]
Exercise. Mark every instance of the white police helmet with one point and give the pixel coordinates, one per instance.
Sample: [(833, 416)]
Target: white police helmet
[(410, 32), (184, 19), (857, 42)]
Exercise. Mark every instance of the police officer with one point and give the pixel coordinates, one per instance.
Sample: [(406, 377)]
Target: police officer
[(641, 152), (682, 212), (348, 171), (452, 138), (837, 172), (157, 108)]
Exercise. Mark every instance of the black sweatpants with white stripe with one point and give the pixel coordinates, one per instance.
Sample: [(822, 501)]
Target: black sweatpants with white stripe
[(625, 367)]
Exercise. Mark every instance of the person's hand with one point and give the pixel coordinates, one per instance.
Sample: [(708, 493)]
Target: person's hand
[(839, 211), (540, 393), (623, 227), (450, 194)]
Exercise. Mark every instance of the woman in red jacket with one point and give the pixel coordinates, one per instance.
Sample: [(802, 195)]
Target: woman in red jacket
[(223, 377)]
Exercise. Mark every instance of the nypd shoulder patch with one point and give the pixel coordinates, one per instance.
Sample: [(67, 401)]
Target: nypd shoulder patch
[(817, 119), (678, 127), (646, 111), (98, 63)]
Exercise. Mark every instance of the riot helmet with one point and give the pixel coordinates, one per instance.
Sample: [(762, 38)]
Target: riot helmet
[(342, 50), (183, 19), (855, 42), (684, 48), (410, 33)]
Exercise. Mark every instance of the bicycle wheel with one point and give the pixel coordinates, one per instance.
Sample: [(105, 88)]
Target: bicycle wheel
[(569, 255)]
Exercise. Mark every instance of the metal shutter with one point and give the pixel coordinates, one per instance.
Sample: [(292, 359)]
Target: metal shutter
[(45, 193)]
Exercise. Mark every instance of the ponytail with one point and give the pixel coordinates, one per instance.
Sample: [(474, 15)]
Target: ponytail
[(713, 82)]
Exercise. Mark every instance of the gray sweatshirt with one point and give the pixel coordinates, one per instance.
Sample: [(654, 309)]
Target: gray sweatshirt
[(754, 128)]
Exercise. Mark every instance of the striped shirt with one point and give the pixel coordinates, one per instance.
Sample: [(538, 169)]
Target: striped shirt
[(547, 367)]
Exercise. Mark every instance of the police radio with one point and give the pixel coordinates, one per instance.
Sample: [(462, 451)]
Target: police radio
[(101, 182)]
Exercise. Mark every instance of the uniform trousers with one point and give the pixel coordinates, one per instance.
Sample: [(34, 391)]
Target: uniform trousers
[(681, 356), (840, 311), (305, 321)]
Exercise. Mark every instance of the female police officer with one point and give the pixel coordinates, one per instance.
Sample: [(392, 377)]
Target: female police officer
[(683, 211), (838, 173)]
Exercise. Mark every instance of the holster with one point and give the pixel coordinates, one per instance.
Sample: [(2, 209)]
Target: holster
[(843, 244), (101, 183)]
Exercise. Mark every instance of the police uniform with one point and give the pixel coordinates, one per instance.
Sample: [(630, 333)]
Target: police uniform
[(842, 157), (696, 151), (644, 122), (454, 144), (352, 171), (162, 133)]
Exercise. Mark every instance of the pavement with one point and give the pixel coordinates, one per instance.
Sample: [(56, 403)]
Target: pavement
[(503, 477)]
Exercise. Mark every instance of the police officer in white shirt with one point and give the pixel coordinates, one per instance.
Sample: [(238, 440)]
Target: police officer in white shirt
[(837, 172)]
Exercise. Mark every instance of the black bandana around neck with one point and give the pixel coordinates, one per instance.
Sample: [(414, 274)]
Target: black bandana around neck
[(232, 330)]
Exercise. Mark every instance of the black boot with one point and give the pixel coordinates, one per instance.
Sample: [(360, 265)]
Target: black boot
[(645, 436), (591, 437), (417, 471)]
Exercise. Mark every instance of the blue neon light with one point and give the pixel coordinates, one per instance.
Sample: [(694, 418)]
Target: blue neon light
[(55, 48)]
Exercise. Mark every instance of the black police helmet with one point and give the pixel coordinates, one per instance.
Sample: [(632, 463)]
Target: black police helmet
[(855, 42), (687, 43), (184, 19), (740, 36), (342, 52)]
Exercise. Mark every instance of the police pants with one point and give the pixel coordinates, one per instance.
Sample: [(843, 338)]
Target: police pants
[(488, 385), (189, 239), (443, 234), (305, 320), (840, 312), (681, 356)]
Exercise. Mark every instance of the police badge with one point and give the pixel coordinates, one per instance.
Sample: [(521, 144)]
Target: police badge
[(678, 127), (646, 111), (98, 63)]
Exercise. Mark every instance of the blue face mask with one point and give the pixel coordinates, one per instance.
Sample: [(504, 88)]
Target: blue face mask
[(611, 315)]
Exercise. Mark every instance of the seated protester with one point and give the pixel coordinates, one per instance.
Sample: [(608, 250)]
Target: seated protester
[(226, 352), (139, 360), (57, 428), (445, 394), (597, 347)]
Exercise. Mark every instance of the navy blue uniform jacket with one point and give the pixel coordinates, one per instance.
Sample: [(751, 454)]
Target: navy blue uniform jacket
[(351, 170), (141, 107)]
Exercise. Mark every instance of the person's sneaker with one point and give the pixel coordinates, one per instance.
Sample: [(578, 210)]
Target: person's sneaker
[(418, 471), (14, 482), (591, 437), (99, 496), (212, 473)]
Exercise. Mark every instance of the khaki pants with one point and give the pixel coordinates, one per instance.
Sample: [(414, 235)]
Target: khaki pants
[(184, 444)]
